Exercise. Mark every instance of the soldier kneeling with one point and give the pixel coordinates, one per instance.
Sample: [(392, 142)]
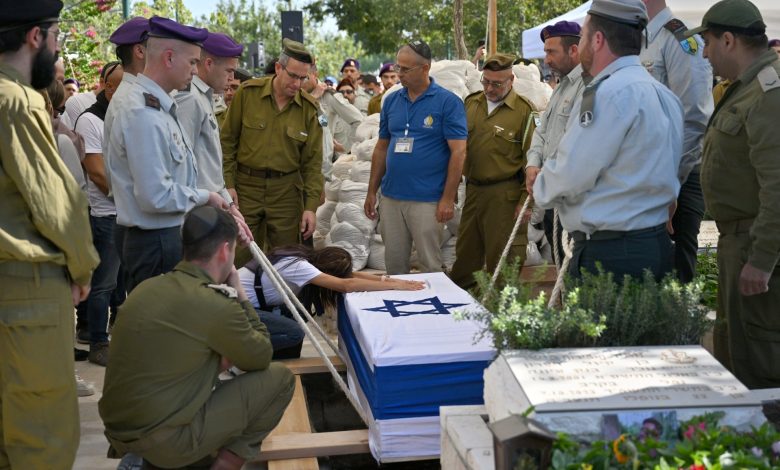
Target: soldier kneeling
[(177, 332)]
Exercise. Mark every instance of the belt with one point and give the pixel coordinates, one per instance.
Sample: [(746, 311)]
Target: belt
[(263, 173), (489, 183), (614, 234), (735, 226)]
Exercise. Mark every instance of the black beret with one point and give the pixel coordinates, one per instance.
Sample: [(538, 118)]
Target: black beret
[(16, 13)]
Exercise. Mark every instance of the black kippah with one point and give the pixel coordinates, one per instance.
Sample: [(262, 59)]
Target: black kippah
[(198, 224)]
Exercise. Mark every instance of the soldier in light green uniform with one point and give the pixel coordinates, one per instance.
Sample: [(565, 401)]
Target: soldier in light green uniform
[(46, 252), (176, 333), (740, 178), (500, 124), (272, 147)]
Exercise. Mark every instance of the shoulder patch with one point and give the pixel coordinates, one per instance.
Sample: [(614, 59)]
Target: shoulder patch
[(689, 45), (768, 78), (151, 101), (589, 102), (225, 290), (476, 93), (306, 96)]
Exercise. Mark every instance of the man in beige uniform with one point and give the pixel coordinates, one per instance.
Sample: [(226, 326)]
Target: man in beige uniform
[(176, 333), (46, 253)]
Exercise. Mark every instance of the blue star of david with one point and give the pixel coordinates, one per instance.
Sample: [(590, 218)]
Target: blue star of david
[(437, 307)]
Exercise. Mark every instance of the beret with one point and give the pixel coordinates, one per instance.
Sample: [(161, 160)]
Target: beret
[(28, 12), (387, 67), (629, 12), (502, 61), (160, 27), (561, 28), (132, 31), (297, 51), (350, 63), (222, 45)]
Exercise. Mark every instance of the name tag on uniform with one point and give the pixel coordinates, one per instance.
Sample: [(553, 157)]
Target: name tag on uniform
[(404, 145)]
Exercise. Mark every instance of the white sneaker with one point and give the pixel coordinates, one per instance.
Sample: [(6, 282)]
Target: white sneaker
[(84, 388)]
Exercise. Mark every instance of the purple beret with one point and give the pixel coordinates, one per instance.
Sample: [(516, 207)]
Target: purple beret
[(350, 63), (160, 27), (561, 28), (132, 31), (222, 45), (388, 67)]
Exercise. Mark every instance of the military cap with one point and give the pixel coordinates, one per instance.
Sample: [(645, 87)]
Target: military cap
[(160, 27), (199, 223), (28, 12), (297, 51), (350, 63), (561, 28), (737, 16), (499, 61), (386, 67), (242, 74), (628, 12), (132, 31), (222, 45), (421, 48)]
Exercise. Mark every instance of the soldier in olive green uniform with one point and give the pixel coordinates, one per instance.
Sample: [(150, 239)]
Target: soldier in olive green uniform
[(174, 336), (500, 124), (272, 146), (741, 182), (46, 252)]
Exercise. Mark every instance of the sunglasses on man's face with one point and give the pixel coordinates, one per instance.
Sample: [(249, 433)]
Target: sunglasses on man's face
[(345, 91)]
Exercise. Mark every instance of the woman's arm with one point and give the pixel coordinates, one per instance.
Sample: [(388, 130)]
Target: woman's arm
[(364, 282)]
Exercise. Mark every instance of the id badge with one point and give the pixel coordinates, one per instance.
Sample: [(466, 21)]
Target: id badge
[(404, 145)]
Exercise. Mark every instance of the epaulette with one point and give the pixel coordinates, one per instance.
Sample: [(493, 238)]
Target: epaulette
[(224, 289), (151, 101), (768, 78), (689, 44), (307, 96), (476, 93), (589, 102)]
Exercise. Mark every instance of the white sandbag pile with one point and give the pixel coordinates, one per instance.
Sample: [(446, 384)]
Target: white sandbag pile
[(376, 257), (368, 129), (361, 171), (364, 150), (529, 85)]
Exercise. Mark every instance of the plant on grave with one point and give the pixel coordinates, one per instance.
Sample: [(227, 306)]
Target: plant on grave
[(707, 273), (700, 444), (596, 311)]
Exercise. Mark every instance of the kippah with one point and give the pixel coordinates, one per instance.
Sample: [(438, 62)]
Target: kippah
[(198, 224)]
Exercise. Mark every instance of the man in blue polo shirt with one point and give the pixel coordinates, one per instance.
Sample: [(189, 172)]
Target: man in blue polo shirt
[(418, 160)]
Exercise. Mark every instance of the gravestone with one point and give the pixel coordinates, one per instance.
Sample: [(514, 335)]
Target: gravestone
[(571, 390)]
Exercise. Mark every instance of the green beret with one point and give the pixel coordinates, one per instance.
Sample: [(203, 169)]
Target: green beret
[(499, 61), (296, 50)]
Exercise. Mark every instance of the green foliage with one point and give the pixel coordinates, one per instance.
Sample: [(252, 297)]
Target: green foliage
[(701, 444), (383, 26), (596, 311), (707, 272), (173, 9)]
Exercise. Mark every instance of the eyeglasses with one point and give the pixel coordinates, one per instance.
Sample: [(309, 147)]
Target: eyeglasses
[(490, 83), (405, 70), (59, 36), (302, 79), (344, 91)]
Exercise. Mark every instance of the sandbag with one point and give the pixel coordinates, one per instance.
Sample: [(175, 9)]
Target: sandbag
[(342, 166), (324, 214), (363, 151), (376, 254), (453, 81), (359, 254), (448, 252), (533, 256), (368, 129), (319, 240), (529, 85), (460, 67), (355, 216), (361, 171), (332, 189), (353, 193)]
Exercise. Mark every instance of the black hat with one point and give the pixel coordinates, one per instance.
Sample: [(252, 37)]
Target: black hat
[(421, 48), (198, 224), (28, 12)]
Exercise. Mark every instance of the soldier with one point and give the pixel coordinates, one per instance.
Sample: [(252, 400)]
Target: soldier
[(500, 124), (272, 146), (239, 77), (46, 252), (418, 160), (389, 78), (614, 175), (218, 61), (176, 334), (152, 167), (677, 62), (351, 70), (740, 178), (561, 54)]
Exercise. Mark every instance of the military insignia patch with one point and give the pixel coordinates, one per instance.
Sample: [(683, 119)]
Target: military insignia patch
[(151, 101), (225, 290), (586, 118), (690, 46)]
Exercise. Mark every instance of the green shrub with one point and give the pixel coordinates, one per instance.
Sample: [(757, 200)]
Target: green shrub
[(707, 272)]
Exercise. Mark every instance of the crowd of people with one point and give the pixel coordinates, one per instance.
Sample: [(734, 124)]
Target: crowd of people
[(147, 192)]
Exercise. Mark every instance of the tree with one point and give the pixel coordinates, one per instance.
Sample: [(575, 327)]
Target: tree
[(383, 26), (173, 9)]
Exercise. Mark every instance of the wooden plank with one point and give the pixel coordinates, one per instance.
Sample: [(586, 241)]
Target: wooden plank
[(540, 274), (313, 365), (294, 464), (321, 444), (294, 420)]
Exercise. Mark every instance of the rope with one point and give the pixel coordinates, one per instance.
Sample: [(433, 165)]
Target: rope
[(508, 246), (556, 297), (296, 306)]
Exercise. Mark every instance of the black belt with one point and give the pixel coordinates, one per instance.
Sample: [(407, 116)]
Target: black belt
[(263, 173), (614, 234), (489, 183)]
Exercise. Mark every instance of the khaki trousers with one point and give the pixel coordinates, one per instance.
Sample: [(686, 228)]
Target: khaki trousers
[(39, 416), (404, 222)]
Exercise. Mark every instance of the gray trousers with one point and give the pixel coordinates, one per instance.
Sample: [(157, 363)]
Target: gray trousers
[(404, 222)]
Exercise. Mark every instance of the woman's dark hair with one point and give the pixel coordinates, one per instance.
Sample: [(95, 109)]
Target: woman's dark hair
[(331, 260), (56, 91), (345, 82)]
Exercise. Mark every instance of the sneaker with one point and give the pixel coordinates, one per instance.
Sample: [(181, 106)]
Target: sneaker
[(82, 336), (98, 354), (84, 388), (80, 354)]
